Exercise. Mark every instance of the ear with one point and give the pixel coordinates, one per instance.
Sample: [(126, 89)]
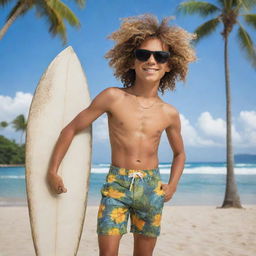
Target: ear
[(168, 69)]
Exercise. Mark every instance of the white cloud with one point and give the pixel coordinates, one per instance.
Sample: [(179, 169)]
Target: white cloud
[(216, 128), (248, 123), (248, 118), (211, 127), (12, 107), (190, 135), (100, 128)]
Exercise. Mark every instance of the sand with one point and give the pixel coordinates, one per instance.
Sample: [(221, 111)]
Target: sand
[(186, 231)]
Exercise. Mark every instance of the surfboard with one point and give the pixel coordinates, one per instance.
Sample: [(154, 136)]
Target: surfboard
[(57, 220)]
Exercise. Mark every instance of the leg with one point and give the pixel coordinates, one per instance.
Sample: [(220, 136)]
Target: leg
[(146, 215), (109, 244), (143, 245), (112, 220)]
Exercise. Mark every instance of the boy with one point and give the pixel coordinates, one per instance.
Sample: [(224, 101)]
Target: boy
[(147, 58)]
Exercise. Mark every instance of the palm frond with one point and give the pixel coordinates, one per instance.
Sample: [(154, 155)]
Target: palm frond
[(55, 21), (222, 3), (64, 12), (197, 7), (206, 28), (19, 123), (246, 5), (81, 3), (250, 19), (3, 124), (247, 45), (17, 6), (4, 2)]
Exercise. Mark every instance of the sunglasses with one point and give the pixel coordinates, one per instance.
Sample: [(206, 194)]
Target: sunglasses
[(144, 55)]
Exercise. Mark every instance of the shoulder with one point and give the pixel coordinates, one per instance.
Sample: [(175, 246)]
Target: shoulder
[(170, 110), (111, 92), (107, 95), (172, 115)]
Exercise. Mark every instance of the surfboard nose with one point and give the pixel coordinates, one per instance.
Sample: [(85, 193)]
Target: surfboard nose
[(67, 51), (69, 48)]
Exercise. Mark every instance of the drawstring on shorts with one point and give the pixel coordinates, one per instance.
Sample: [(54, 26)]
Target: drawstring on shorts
[(133, 176)]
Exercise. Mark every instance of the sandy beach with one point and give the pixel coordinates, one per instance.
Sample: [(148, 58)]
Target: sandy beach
[(186, 231)]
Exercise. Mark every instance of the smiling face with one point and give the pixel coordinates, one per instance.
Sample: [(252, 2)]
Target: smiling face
[(151, 70)]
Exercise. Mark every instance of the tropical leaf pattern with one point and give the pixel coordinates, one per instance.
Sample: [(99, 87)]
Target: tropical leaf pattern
[(143, 201)]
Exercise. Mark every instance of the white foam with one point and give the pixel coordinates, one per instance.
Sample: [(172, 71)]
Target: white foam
[(213, 170), (12, 177), (166, 170)]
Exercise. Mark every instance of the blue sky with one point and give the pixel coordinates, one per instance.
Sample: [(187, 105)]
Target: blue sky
[(28, 48)]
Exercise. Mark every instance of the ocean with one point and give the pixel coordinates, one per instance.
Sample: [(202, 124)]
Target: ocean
[(202, 183)]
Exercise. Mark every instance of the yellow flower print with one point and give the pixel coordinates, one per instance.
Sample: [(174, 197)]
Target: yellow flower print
[(138, 222), (150, 172), (158, 189), (114, 231), (122, 171), (157, 220), (111, 178), (118, 214), (113, 193), (101, 209)]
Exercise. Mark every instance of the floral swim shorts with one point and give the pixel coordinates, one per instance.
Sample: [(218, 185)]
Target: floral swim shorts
[(137, 192)]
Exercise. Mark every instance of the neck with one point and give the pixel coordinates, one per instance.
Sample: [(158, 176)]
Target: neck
[(145, 89)]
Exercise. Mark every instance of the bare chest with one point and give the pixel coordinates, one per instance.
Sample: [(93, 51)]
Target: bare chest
[(130, 117)]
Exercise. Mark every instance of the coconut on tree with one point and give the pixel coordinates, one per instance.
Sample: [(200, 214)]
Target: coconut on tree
[(227, 13)]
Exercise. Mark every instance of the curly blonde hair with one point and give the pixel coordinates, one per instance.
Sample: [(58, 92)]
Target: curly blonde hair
[(133, 31)]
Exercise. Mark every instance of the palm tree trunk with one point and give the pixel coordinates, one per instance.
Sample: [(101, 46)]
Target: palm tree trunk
[(232, 198), (10, 21)]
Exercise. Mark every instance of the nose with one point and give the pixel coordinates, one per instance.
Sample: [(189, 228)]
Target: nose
[(151, 59)]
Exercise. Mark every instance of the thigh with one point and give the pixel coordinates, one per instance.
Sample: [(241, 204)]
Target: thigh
[(147, 211), (143, 245), (113, 211), (109, 244)]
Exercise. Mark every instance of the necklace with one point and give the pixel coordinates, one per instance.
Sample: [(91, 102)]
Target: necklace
[(142, 105)]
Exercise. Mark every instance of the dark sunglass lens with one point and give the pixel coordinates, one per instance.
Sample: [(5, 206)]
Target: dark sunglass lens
[(161, 56), (142, 55)]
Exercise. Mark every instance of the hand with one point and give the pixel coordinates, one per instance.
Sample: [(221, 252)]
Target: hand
[(56, 183), (169, 190)]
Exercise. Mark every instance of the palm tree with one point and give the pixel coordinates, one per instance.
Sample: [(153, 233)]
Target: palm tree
[(227, 13), (54, 11), (20, 124), (3, 124)]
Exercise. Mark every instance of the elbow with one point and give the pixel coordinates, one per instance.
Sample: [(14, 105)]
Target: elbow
[(68, 131), (181, 155)]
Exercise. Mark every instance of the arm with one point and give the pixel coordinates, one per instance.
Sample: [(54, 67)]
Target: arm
[(173, 132), (99, 105)]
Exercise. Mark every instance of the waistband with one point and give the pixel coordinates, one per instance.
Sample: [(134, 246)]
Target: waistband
[(124, 171)]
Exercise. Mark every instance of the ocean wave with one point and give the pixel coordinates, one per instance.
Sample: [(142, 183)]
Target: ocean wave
[(12, 177), (214, 170), (195, 170), (245, 165)]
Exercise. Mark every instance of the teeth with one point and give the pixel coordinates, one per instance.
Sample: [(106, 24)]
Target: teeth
[(150, 69)]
